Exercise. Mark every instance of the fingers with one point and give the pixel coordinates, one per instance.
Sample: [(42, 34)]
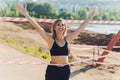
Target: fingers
[(21, 9), (96, 10), (94, 13), (18, 7)]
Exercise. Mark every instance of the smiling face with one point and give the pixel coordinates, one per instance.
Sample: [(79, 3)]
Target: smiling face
[(59, 27)]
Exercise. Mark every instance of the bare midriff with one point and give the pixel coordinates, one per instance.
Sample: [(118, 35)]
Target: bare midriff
[(59, 59)]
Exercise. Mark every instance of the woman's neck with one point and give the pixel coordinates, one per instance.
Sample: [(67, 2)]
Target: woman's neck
[(59, 37)]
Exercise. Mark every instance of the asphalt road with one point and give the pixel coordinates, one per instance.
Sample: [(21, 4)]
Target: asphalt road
[(17, 71)]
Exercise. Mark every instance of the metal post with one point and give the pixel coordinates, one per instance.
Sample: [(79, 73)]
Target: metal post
[(109, 47)]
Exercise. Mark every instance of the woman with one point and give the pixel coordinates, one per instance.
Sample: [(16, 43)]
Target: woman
[(58, 44)]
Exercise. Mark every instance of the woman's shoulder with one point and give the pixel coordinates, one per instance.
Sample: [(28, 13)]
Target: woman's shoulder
[(66, 39)]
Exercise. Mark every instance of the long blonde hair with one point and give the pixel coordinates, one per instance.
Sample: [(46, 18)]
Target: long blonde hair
[(54, 35)]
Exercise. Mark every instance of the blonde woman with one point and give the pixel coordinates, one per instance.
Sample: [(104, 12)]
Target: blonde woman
[(58, 44)]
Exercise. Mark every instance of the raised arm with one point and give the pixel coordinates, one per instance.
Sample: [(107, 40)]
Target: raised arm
[(41, 31), (74, 34)]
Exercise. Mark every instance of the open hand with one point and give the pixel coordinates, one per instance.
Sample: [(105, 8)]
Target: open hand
[(21, 9), (94, 12)]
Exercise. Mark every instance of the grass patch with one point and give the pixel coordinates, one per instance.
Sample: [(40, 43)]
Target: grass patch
[(34, 50), (1, 38)]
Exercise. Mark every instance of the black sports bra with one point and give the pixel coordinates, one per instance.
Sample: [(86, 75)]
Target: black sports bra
[(56, 50)]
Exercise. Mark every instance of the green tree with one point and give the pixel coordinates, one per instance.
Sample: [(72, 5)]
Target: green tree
[(31, 8), (66, 14), (106, 16), (49, 10), (112, 18), (1, 12), (82, 13), (45, 10)]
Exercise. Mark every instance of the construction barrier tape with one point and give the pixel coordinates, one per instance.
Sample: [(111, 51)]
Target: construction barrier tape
[(52, 20)]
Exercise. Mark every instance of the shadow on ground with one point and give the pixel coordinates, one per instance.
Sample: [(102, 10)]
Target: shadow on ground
[(76, 72)]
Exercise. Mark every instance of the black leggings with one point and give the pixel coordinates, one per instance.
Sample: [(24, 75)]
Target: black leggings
[(57, 73)]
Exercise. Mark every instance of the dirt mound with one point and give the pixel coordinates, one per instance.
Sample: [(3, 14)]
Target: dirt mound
[(27, 25), (17, 32), (92, 38)]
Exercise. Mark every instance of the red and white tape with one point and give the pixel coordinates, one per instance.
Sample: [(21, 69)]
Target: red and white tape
[(52, 20), (96, 47), (22, 62), (24, 19), (95, 58), (47, 63), (103, 63)]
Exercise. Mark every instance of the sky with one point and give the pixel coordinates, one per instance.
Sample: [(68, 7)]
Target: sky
[(2, 2)]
